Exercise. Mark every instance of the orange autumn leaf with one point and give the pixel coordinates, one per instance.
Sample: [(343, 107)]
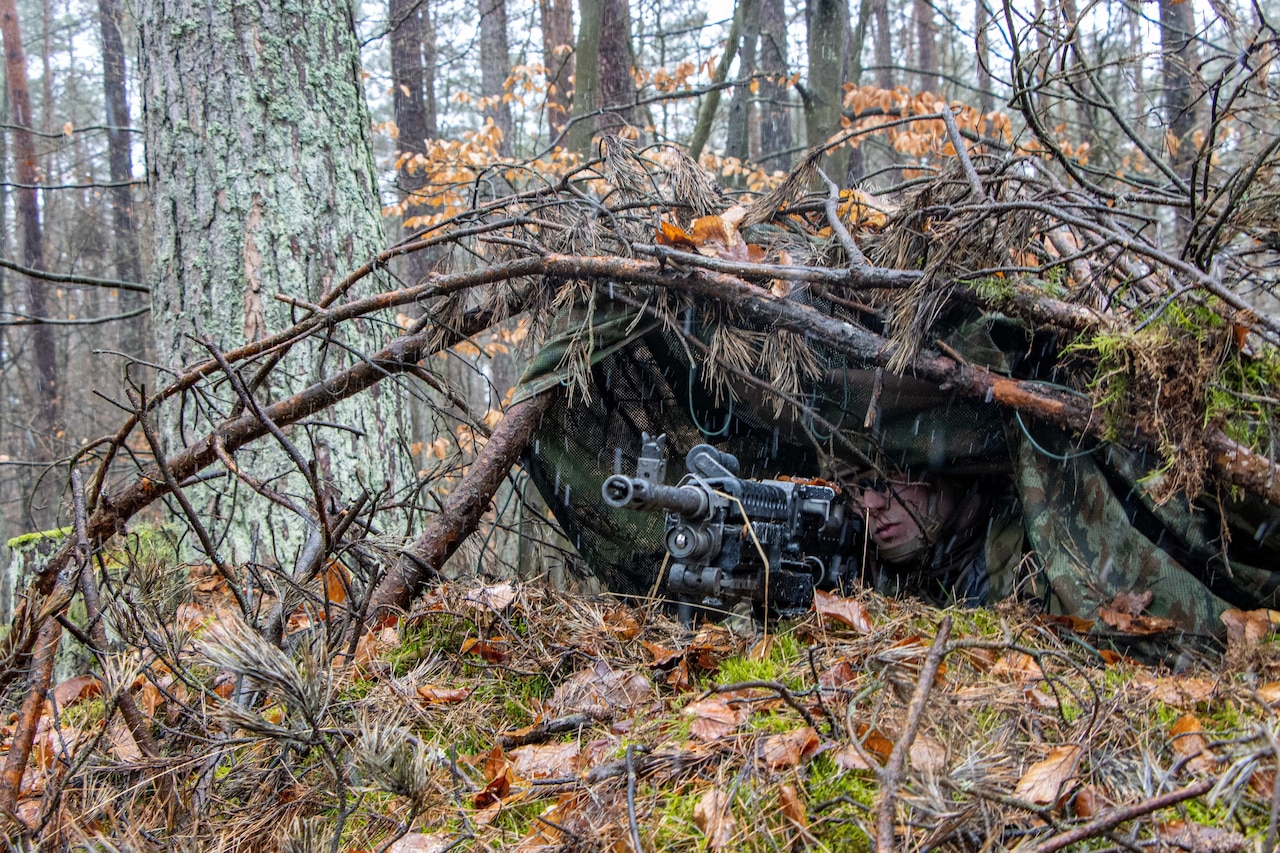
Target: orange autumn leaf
[(1186, 736), (714, 718), (493, 650), (336, 581), (1246, 628)]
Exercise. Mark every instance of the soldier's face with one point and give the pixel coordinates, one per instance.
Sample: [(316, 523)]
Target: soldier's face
[(889, 523)]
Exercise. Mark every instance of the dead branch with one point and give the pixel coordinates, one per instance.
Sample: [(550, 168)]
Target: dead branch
[(1114, 817)]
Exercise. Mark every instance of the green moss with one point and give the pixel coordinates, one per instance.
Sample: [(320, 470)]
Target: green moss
[(995, 290), (27, 539), (784, 653), (835, 817)]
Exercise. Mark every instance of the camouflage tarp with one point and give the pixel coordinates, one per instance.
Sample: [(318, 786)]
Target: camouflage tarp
[(1082, 528)]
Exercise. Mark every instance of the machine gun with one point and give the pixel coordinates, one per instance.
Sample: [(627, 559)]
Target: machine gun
[(770, 542)]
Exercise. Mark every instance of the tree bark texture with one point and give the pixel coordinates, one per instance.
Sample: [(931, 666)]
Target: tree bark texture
[(411, 115), (737, 143), (557, 57), (828, 22), (926, 45), (884, 44), (617, 87), (711, 100), (495, 65), (262, 180), (27, 173), (982, 47), (1178, 64), (128, 259), (775, 113), (586, 84)]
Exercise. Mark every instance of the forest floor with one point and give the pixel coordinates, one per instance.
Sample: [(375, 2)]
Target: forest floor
[(510, 716)]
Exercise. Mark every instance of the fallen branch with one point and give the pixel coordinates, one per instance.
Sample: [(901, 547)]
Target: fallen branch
[(1112, 818)]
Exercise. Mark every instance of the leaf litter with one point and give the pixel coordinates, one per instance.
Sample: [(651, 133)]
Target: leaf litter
[(513, 716)]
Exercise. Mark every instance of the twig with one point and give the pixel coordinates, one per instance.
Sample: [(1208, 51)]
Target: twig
[(832, 207), (547, 730), (631, 800), (962, 153), (206, 541), (1114, 817), (873, 406), (890, 776), (783, 693)]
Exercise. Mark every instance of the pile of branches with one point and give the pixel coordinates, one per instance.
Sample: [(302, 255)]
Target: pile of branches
[(1159, 334)]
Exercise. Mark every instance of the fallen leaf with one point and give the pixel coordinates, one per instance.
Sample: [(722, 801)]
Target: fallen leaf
[(1090, 800), (122, 742), (762, 648), (787, 750), (1071, 623), (601, 692), (494, 650), (620, 621), (837, 675), (713, 816), (848, 611), (1246, 628), (1125, 614), (1176, 690), (495, 599), (792, 806), (1270, 692), (1180, 835), (75, 690), (336, 581), (873, 743), (1186, 736), (672, 235), (928, 754), (662, 656), (544, 761), (678, 677), (1045, 782), (714, 718), (712, 644), (422, 842), (433, 695), (1017, 667)]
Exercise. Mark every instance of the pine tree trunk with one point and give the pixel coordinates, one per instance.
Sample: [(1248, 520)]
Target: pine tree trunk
[(27, 173), (495, 66), (128, 261), (982, 46), (263, 182), (617, 87), (411, 116), (926, 41), (1178, 63), (557, 39), (828, 22), (737, 137), (884, 44), (586, 84), (775, 114)]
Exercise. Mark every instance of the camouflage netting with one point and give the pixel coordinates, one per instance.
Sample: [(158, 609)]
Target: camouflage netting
[(1088, 529)]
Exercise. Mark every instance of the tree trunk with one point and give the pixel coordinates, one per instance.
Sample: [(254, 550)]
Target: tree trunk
[(926, 42), (775, 113), (495, 67), (738, 138), (128, 262), (411, 117), (617, 87), (429, 70), (982, 46), (27, 173), (884, 44), (711, 101), (1178, 64), (262, 180), (586, 84), (828, 22), (557, 57)]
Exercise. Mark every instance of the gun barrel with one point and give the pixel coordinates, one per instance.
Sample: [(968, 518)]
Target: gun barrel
[(621, 492)]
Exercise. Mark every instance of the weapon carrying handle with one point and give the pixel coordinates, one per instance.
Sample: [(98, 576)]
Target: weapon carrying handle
[(706, 461)]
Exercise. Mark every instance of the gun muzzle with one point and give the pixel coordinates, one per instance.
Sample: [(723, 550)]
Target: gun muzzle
[(622, 492)]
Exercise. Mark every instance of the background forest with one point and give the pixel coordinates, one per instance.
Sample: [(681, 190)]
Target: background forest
[(270, 274)]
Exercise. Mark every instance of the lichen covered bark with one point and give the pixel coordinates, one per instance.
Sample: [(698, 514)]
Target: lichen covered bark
[(261, 172)]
